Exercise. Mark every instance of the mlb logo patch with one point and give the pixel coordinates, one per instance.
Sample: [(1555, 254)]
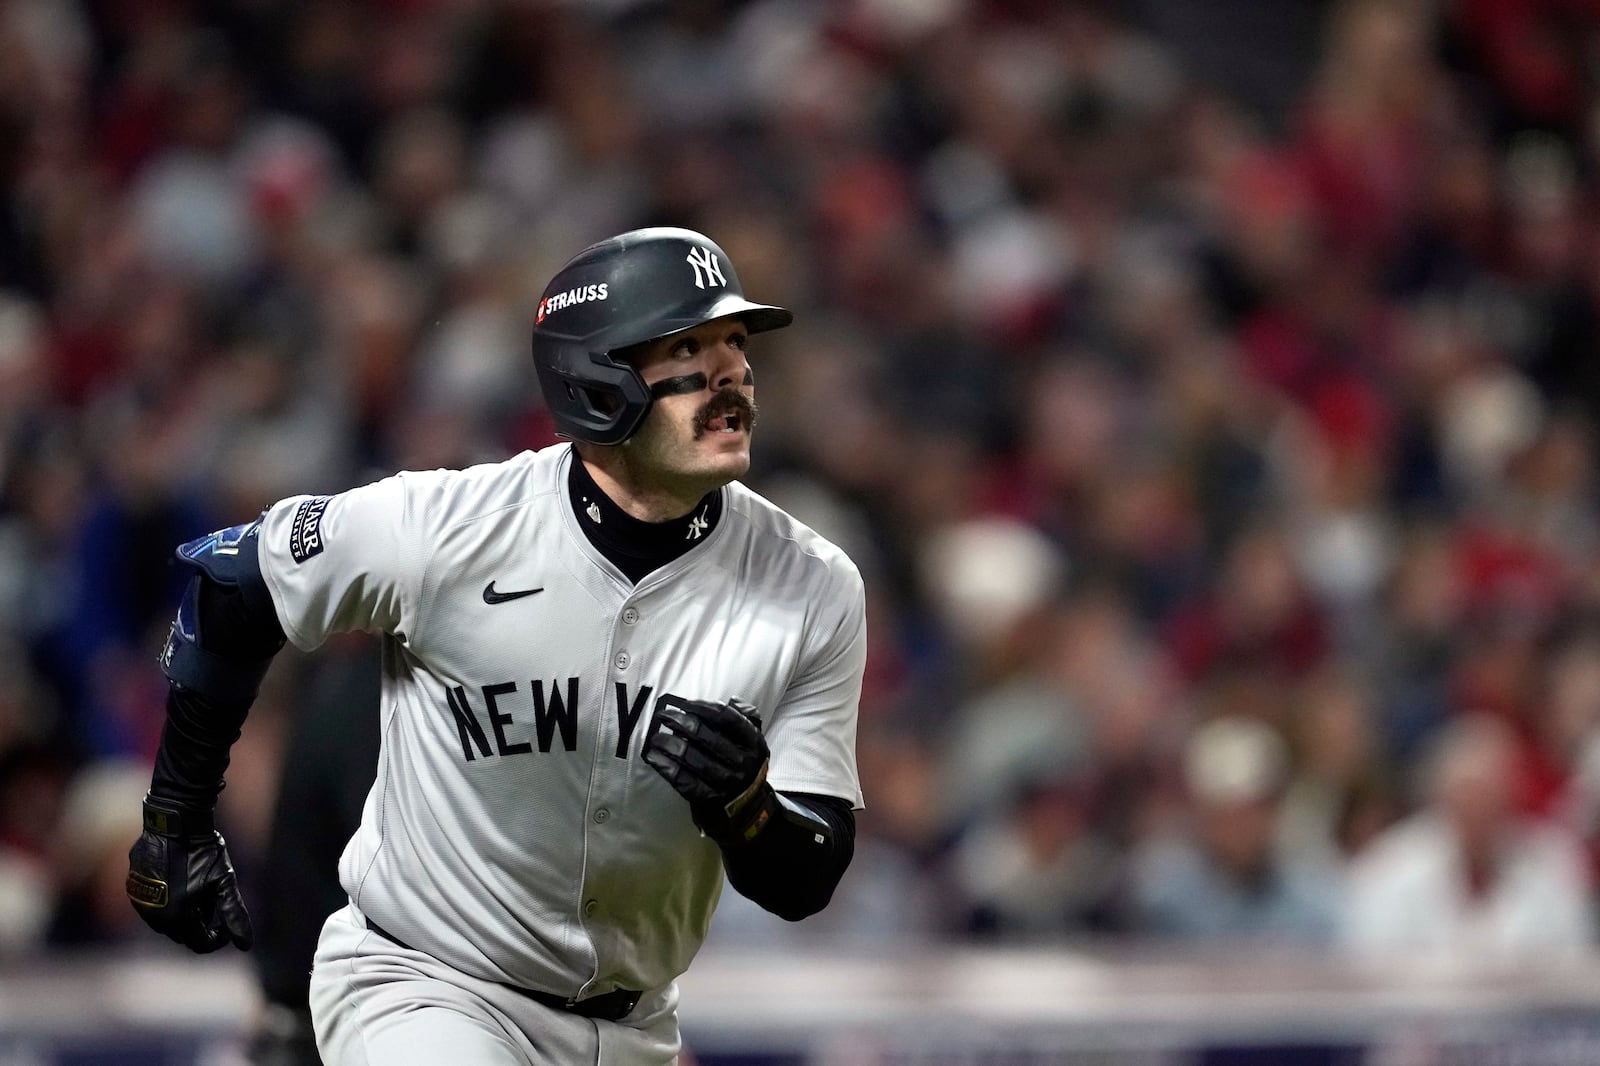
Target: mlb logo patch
[(305, 533)]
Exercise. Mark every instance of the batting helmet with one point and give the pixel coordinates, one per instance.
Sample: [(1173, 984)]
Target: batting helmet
[(635, 287)]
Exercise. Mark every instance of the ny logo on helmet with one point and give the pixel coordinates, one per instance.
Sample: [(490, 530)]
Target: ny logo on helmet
[(707, 269)]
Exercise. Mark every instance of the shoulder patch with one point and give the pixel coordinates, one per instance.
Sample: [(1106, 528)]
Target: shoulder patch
[(305, 533)]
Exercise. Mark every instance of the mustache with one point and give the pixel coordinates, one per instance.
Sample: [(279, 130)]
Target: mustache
[(727, 401)]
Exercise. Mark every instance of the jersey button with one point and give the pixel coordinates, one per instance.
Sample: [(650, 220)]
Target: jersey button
[(622, 660), (590, 907), (629, 616), (601, 815)]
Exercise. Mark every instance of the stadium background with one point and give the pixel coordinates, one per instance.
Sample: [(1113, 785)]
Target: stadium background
[(1208, 391)]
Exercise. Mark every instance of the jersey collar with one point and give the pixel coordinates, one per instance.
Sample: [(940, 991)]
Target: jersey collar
[(635, 547)]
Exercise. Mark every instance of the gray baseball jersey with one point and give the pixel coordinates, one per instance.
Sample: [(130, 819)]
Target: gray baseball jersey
[(513, 830)]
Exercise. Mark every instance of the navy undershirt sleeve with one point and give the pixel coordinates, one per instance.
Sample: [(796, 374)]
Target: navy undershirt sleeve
[(193, 754)]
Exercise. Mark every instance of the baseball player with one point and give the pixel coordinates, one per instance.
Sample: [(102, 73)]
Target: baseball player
[(611, 674)]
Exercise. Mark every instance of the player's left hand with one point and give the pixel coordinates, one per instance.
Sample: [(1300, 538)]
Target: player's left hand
[(181, 880), (716, 758)]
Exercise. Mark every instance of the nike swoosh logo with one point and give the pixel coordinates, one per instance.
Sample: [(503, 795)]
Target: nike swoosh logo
[(491, 596)]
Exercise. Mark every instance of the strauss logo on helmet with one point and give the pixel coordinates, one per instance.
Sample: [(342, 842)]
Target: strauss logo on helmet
[(580, 295)]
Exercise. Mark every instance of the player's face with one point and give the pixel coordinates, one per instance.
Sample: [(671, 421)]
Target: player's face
[(699, 427)]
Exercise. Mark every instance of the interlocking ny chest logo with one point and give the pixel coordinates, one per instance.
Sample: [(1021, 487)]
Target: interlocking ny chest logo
[(707, 268)]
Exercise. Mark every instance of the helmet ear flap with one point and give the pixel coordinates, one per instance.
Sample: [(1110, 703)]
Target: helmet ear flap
[(600, 402), (604, 402)]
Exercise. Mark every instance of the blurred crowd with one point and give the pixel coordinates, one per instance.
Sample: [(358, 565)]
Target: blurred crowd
[(1208, 391)]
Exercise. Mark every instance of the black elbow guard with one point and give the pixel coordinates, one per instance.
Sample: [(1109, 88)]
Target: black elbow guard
[(793, 865), (804, 821), (227, 631)]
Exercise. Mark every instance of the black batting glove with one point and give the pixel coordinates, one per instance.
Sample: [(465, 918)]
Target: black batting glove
[(181, 880), (714, 755)]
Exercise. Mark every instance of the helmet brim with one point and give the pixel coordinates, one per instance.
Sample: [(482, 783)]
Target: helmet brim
[(757, 318)]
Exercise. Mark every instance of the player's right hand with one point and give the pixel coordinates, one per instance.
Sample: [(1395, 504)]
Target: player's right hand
[(715, 756), (181, 880)]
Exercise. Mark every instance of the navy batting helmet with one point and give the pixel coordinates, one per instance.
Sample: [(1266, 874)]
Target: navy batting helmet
[(634, 287)]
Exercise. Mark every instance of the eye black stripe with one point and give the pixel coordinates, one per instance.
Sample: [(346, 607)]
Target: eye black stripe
[(678, 386)]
